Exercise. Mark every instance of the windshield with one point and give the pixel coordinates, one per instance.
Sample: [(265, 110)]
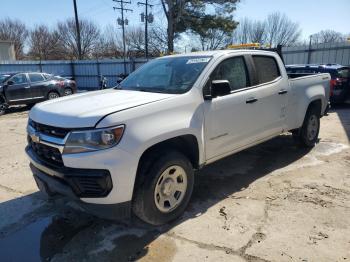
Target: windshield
[(3, 78), (174, 75)]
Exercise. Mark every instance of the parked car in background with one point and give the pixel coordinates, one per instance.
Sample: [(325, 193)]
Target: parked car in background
[(340, 78), (29, 88)]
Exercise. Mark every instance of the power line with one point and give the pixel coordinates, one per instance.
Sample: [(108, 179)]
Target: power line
[(78, 28), (123, 22), (148, 18)]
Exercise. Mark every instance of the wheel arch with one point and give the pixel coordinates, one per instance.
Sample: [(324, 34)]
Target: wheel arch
[(185, 144)]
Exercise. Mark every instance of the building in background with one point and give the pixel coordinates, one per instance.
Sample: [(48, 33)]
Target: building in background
[(7, 51)]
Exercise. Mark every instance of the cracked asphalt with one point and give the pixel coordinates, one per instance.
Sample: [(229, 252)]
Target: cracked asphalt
[(273, 202)]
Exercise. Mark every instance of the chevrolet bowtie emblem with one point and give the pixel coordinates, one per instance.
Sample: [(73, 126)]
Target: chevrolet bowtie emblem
[(35, 137)]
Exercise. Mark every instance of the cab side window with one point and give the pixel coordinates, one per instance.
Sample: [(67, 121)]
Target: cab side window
[(36, 78), (266, 68), (19, 79), (234, 70)]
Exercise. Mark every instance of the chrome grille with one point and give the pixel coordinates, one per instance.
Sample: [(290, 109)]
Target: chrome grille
[(49, 130)]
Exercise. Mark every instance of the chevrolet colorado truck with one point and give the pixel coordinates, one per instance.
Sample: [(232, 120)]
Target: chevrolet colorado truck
[(134, 148)]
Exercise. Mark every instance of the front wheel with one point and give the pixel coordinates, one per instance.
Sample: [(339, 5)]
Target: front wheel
[(2, 108), (53, 95), (164, 189), (307, 135)]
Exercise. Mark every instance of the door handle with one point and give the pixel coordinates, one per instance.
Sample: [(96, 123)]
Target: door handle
[(27, 87), (282, 92), (251, 100)]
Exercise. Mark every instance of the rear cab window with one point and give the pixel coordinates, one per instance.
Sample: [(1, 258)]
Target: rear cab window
[(266, 68), (48, 76), (36, 77)]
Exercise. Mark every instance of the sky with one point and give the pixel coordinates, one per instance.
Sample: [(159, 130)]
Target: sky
[(312, 15)]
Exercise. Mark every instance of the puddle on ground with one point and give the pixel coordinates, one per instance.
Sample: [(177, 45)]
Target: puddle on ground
[(24, 245), (42, 239)]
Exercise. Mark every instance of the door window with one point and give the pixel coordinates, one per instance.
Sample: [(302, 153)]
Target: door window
[(235, 71), (267, 68), (36, 78), (19, 79)]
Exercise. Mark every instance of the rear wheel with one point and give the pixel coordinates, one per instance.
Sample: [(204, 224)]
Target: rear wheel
[(68, 91), (53, 95), (163, 190), (307, 135)]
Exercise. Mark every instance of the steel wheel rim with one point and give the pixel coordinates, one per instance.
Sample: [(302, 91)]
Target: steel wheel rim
[(312, 127), (170, 189), (68, 92), (53, 96)]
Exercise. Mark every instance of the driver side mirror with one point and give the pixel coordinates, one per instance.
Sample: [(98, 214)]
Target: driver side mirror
[(219, 88), (10, 83)]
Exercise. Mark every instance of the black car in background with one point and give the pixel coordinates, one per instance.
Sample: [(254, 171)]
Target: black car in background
[(340, 78), (29, 88)]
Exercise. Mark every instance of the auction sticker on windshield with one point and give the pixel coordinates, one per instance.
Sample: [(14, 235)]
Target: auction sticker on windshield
[(198, 60)]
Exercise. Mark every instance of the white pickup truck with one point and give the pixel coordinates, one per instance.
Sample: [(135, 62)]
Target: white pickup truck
[(134, 147)]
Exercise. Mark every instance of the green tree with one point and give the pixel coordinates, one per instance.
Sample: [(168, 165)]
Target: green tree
[(200, 17)]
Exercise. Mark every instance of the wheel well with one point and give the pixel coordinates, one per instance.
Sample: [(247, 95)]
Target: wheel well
[(317, 104), (186, 144)]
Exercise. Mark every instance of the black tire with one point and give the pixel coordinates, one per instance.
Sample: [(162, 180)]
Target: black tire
[(144, 204), (2, 107), (52, 95), (68, 91), (307, 136)]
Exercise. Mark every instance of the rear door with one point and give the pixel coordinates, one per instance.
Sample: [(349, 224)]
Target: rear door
[(19, 90), (272, 95), (38, 85)]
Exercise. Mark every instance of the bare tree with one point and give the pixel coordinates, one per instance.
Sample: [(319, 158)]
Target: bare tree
[(280, 30), (15, 31), (108, 45), (328, 36), (257, 32), (158, 40), (214, 39), (135, 40), (241, 34), (44, 44), (89, 37), (249, 31)]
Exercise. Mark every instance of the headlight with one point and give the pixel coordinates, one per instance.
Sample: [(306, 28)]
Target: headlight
[(92, 140)]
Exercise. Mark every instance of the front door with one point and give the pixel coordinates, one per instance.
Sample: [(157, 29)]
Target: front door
[(229, 120), (18, 89)]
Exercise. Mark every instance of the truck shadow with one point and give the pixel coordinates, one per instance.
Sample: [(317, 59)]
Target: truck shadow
[(67, 234)]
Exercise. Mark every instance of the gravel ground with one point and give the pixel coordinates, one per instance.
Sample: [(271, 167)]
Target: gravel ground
[(273, 202)]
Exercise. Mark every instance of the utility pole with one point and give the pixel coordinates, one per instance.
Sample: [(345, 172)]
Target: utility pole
[(78, 29), (123, 22), (309, 52), (148, 18)]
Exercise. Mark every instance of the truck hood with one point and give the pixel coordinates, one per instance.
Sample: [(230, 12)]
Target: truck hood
[(86, 109)]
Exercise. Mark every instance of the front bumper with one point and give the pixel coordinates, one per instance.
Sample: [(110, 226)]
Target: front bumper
[(83, 183), (76, 183)]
